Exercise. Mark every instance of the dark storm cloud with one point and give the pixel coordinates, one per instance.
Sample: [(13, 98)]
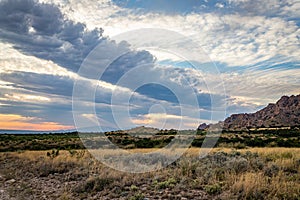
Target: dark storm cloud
[(123, 64), (41, 30)]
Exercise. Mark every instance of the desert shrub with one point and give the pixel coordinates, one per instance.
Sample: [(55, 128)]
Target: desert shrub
[(77, 154), (256, 142), (291, 167), (166, 184), (238, 165), (220, 173), (93, 184), (239, 145), (134, 188), (257, 163), (218, 159), (54, 153), (72, 152), (137, 196), (271, 170), (46, 168), (249, 154), (235, 153), (208, 176), (197, 142), (188, 167), (297, 162), (213, 189), (127, 142)]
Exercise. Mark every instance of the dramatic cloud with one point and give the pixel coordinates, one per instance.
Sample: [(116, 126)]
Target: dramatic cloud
[(42, 31), (254, 45), (234, 38)]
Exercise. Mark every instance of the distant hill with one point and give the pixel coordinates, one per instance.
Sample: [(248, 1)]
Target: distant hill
[(284, 113), (143, 130)]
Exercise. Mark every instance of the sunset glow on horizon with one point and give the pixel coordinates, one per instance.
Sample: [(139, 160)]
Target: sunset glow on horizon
[(18, 122)]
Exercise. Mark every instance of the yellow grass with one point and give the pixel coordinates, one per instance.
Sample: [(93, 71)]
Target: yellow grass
[(277, 153), (256, 185)]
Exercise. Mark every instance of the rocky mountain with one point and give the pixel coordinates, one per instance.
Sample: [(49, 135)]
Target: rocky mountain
[(284, 113)]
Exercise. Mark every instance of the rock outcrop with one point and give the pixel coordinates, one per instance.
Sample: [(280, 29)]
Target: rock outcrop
[(284, 113)]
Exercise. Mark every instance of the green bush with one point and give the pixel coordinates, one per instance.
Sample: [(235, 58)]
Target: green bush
[(166, 184), (213, 189)]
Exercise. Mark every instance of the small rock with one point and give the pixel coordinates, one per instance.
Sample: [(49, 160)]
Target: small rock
[(1, 191), (11, 181)]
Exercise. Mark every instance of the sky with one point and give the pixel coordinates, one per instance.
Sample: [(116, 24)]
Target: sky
[(212, 58)]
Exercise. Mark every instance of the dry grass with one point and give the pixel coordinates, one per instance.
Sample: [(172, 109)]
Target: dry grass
[(255, 173), (257, 186)]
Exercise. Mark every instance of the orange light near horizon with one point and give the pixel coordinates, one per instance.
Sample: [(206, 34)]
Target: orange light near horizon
[(18, 122)]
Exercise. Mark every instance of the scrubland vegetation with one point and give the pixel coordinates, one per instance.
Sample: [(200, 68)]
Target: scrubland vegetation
[(229, 139), (243, 165), (226, 173)]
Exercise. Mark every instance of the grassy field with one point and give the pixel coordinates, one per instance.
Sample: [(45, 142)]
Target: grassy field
[(226, 173)]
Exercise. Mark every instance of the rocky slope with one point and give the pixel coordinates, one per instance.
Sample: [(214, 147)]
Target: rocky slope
[(284, 113)]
